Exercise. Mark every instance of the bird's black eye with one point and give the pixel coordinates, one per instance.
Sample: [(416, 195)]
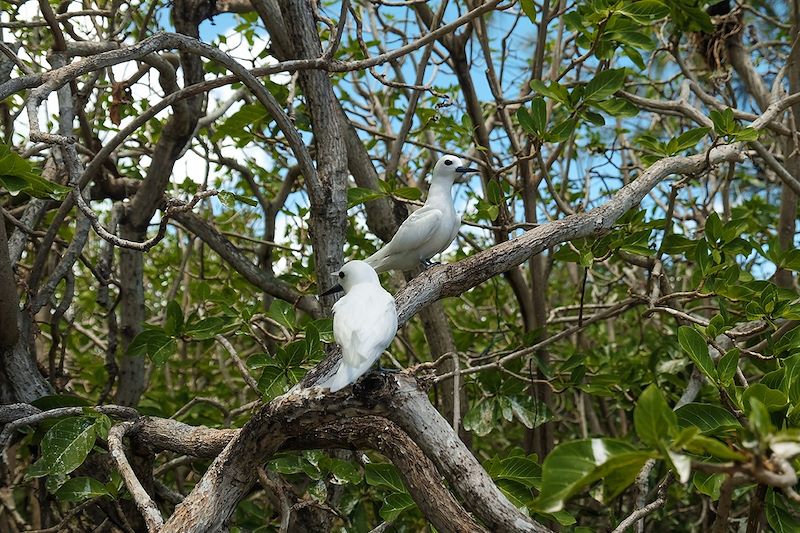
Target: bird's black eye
[(341, 274), (448, 162)]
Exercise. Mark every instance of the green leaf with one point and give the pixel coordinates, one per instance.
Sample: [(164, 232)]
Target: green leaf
[(604, 84), (555, 91), (708, 484), (724, 123), (531, 413), (529, 8), (272, 381), (159, 353), (246, 199), (173, 324), (646, 11), (746, 135), (727, 366), (539, 115), (18, 175), (79, 489), (359, 195), (772, 399), (688, 139), (573, 466), (394, 504), (652, 417), (206, 328), (344, 471), (520, 469), (64, 447), (227, 199), (696, 348), (708, 418), (562, 130), (480, 418), (384, 475), (408, 193), (780, 519), (526, 121)]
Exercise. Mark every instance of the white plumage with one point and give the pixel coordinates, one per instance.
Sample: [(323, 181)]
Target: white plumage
[(430, 229), (364, 323)]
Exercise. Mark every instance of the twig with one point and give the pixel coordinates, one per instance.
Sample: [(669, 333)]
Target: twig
[(252, 383), (150, 513), (638, 514)]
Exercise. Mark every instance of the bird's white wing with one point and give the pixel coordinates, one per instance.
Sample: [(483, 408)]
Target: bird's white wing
[(416, 230), (365, 327)]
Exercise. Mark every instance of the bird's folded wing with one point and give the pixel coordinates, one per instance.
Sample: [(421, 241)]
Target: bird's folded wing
[(417, 229), (363, 335)]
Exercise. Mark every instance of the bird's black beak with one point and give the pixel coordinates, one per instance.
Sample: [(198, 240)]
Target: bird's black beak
[(464, 170), (336, 288)]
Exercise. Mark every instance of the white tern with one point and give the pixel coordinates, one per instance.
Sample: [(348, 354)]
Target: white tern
[(430, 229), (364, 322)]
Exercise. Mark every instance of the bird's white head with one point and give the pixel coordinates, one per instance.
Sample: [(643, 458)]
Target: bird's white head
[(450, 168), (353, 273)]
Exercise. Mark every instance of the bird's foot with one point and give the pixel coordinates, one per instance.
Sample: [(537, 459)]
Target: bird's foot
[(427, 263), (383, 370)]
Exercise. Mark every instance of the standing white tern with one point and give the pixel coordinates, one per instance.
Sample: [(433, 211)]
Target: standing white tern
[(430, 229), (364, 322)]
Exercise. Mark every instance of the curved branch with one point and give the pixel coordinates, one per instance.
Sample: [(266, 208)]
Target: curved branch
[(145, 504)]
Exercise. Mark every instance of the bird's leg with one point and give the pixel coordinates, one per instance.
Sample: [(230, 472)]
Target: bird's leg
[(383, 370), (427, 263)]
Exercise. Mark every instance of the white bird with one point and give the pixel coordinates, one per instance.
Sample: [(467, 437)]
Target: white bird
[(430, 229), (364, 322)]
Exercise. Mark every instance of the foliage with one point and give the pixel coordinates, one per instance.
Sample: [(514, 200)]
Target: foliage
[(666, 344)]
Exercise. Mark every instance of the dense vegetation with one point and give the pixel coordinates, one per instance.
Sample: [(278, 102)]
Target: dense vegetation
[(614, 335)]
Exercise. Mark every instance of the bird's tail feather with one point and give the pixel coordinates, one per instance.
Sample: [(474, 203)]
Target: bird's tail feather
[(343, 377), (376, 260)]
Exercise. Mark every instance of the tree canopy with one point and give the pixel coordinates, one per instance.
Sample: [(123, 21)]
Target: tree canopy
[(612, 342)]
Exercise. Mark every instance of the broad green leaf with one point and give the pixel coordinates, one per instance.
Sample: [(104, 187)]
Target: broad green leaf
[(772, 399), (539, 115), (359, 195), (696, 348), (292, 464), (708, 418), (604, 84), (173, 324), (701, 445), (79, 489), (653, 419), (395, 504), (562, 130), (780, 519), (64, 447), (520, 469), (384, 475), (529, 8), (408, 193), (526, 121), (532, 414), (708, 484), (344, 471), (259, 360), (573, 466), (791, 379), (159, 353), (727, 366), (646, 11), (480, 418), (206, 328), (272, 381), (517, 493), (688, 139)]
